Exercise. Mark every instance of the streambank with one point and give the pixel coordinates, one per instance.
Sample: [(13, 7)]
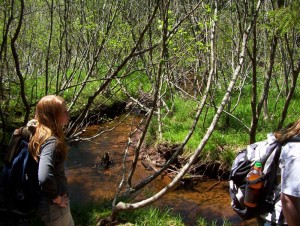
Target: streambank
[(155, 157)]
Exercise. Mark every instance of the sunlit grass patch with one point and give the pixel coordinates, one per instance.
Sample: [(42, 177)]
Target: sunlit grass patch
[(151, 217), (89, 214), (201, 221)]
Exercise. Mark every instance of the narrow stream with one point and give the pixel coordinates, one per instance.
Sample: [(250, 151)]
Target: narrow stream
[(89, 181)]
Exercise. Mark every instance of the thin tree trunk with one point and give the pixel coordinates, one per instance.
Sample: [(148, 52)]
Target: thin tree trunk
[(290, 90), (255, 114), (264, 97), (3, 50), (17, 62), (164, 62), (48, 48)]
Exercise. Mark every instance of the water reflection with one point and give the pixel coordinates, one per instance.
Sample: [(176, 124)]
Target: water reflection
[(89, 181)]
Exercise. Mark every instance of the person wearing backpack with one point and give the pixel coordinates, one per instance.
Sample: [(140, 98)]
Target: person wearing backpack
[(48, 147), (287, 208)]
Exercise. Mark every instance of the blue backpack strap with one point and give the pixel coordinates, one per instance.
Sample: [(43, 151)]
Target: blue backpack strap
[(17, 166), (26, 156)]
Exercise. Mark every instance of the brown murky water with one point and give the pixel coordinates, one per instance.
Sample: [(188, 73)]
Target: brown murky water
[(89, 181)]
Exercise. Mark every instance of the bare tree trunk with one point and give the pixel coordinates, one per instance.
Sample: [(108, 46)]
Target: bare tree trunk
[(17, 62), (6, 30), (157, 89), (289, 96), (164, 62), (3, 51), (255, 114), (48, 48), (264, 97), (62, 37), (291, 90)]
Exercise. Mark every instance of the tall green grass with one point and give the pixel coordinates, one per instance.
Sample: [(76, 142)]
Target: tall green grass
[(203, 222), (232, 131), (151, 216), (90, 214)]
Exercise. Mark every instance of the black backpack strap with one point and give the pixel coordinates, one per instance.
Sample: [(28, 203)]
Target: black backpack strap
[(22, 133), (276, 158), (292, 139), (281, 218)]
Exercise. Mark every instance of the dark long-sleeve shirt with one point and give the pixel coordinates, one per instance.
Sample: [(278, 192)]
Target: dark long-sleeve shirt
[(51, 172)]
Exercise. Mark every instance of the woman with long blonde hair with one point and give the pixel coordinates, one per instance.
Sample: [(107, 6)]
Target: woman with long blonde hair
[(48, 147)]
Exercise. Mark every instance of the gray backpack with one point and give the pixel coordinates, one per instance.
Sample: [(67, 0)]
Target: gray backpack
[(268, 153)]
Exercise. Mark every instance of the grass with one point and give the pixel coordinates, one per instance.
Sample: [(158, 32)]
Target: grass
[(90, 213), (231, 134), (203, 222), (151, 217)]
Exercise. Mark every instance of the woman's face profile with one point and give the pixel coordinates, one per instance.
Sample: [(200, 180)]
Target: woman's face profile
[(63, 116)]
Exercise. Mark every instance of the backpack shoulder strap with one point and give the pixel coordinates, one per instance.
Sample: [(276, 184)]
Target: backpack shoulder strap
[(274, 151), (272, 158), (292, 139), (276, 159), (18, 135)]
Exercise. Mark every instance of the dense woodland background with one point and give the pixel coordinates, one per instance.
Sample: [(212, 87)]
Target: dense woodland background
[(194, 68), (95, 52)]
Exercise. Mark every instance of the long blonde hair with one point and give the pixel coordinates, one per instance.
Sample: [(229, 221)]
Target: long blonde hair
[(47, 111), (288, 132)]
